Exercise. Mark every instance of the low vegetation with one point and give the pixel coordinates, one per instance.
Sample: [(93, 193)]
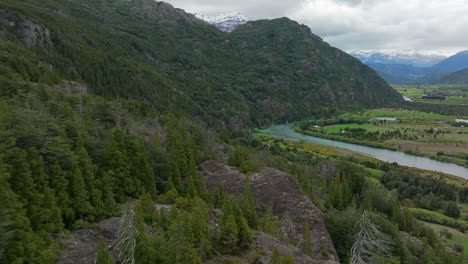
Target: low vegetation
[(455, 94), (437, 136)]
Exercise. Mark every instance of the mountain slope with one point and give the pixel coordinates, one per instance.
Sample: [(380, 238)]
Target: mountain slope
[(459, 77), (453, 63), (265, 71)]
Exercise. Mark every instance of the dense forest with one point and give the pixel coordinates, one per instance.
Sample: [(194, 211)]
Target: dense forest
[(179, 64), (108, 107)]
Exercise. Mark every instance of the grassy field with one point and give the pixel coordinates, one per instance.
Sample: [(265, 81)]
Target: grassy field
[(438, 218), (457, 237), (455, 94), (426, 134)]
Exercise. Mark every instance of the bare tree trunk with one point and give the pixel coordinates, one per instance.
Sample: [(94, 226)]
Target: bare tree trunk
[(369, 241), (127, 235)]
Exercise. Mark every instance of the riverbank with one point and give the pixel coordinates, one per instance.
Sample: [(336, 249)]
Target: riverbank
[(438, 137), (287, 133), (440, 158)]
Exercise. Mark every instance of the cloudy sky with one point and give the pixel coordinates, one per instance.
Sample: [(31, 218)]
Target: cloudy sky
[(423, 25)]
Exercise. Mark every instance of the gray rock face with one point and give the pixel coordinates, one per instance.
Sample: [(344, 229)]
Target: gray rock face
[(280, 191), (29, 33), (81, 246)]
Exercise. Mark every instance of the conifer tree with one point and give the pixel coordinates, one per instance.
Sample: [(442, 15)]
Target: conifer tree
[(229, 237), (201, 230), (103, 255), (243, 230), (44, 212), (180, 248), (119, 167), (191, 188), (247, 204), (89, 171), (307, 243), (270, 224), (59, 184), (107, 186), (79, 195)]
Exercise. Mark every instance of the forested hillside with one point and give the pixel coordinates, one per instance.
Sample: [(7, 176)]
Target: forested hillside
[(265, 71), (110, 110), (459, 77)]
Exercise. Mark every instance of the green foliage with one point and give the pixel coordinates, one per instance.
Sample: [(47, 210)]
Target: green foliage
[(307, 246), (103, 254), (186, 66), (341, 227), (239, 157), (235, 233), (247, 204), (271, 224)]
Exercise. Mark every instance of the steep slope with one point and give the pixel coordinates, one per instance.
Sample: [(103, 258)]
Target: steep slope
[(453, 63), (280, 191), (459, 77), (265, 71)]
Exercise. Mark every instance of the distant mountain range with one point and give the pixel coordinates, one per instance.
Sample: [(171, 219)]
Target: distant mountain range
[(453, 63), (225, 22), (417, 59), (414, 67)]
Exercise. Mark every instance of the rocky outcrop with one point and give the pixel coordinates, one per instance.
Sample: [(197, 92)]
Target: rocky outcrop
[(81, 246), (280, 191), (25, 30)]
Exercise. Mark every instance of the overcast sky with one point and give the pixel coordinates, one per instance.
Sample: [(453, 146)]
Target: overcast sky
[(423, 25)]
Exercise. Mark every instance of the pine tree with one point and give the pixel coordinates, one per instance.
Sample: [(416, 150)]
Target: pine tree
[(229, 237), (200, 219), (79, 195), (247, 204), (107, 185), (44, 212), (119, 167), (243, 230), (145, 250), (147, 210), (24, 245), (191, 188), (59, 184), (89, 170), (271, 224), (180, 248), (140, 169), (307, 246)]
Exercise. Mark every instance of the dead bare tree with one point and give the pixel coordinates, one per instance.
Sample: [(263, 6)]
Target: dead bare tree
[(127, 235), (369, 241)]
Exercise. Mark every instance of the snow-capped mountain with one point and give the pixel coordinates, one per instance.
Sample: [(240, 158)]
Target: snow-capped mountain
[(225, 22), (415, 58)]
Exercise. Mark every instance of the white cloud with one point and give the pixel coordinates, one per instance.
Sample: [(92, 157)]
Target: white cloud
[(362, 24)]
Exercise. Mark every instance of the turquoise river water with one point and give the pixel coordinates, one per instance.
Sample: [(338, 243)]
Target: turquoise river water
[(287, 133)]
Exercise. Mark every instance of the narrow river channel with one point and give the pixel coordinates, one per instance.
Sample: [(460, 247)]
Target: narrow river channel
[(287, 133)]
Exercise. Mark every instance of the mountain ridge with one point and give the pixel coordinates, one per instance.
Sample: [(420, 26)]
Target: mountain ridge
[(168, 58)]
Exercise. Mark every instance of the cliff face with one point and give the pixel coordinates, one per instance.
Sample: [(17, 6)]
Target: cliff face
[(280, 191)]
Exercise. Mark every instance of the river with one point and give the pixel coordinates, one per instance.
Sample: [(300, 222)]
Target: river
[(287, 133)]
